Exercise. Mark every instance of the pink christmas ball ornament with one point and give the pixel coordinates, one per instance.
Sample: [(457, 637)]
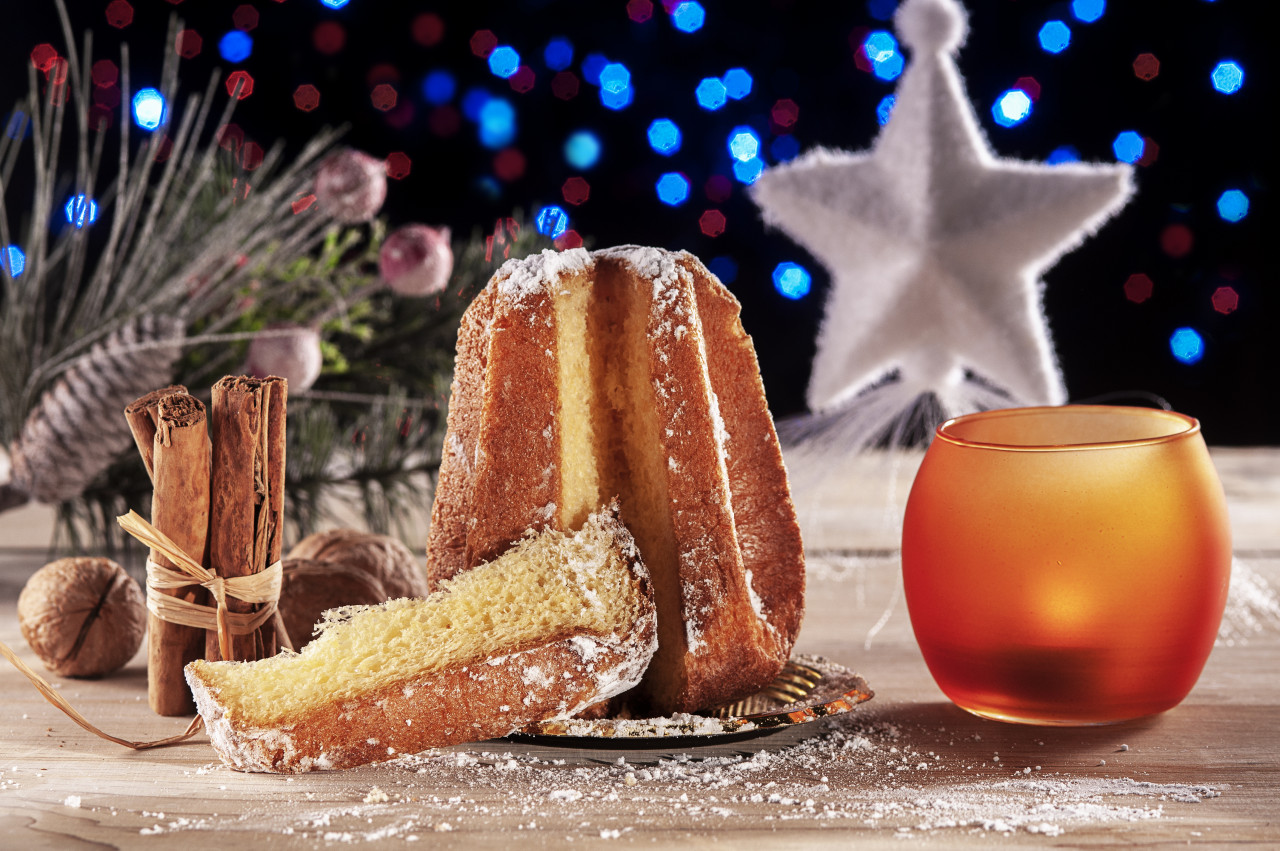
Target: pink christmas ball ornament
[(351, 186), (416, 260), (289, 351)]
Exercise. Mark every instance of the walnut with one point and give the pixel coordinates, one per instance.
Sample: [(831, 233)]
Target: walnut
[(84, 617), (309, 588), (385, 559)]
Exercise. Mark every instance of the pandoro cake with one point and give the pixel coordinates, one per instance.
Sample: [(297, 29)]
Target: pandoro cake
[(626, 373), (556, 624)]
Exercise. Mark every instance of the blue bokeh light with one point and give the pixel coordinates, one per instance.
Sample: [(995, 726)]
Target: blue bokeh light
[(1129, 146), (81, 210), (1063, 154), (1054, 37), (882, 10), (14, 260), (744, 144), (884, 109), (504, 61), (672, 188), (236, 46), (886, 59), (582, 149), (711, 93), (474, 101), (784, 148), (334, 4), (1233, 205), (558, 54), (748, 171), (792, 280), (737, 83), (1187, 345), (1227, 76), (497, 120), (17, 126), (1088, 11), (439, 87), (592, 65), (725, 268), (149, 108), (552, 221), (1012, 107), (688, 16), (664, 136), (615, 86)]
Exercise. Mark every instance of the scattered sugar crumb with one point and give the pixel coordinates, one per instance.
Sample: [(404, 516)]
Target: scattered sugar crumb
[(376, 796)]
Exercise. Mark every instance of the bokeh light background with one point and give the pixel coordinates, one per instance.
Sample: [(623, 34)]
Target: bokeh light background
[(644, 122)]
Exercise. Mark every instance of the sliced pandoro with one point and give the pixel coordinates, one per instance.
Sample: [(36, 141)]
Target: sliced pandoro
[(556, 624), (626, 373)]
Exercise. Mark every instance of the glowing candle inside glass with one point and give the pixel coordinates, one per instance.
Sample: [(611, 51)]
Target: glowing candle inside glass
[(1066, 565)]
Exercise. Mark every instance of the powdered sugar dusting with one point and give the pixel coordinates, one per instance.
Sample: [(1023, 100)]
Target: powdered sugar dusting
[(532, 275)]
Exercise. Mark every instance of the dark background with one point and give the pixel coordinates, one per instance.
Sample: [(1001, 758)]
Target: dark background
[(1207, 142)]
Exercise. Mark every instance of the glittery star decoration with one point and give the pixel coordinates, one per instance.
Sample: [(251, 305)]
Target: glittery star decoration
[(935, 248)]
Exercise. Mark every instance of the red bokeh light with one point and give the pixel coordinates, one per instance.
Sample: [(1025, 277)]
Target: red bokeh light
[(1138, 288), (483, 43), (189, 44), (398, 165), (100, 117), (245, 17), (509, 164), (428, 29), (1150, 151), (639, 10), (712, 223), (163, 149), (718, 188), (569, 239), (58, 72), (383, 96), (239, 85), (329, 37), (1030, 86), (105, 73), (43, 56), (401, 115), (785, 113), (383, 72), (230, 137), (303, 203), (1176, 241), (576, 191), (306, 97), (107, 97), (251, 156), (444, 120), (522, 80), (119, 14), (1146, 66), (564, 85), (1225, 300)]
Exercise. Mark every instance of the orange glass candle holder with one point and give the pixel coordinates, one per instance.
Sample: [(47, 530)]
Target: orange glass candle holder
[(1066, 565)]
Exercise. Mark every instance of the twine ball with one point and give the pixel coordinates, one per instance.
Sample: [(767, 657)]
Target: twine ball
[(416, 260), (351, 186), (289, 351), (84, 617)]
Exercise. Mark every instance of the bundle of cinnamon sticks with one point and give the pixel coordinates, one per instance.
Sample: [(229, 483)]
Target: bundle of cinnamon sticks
[(218, 493)]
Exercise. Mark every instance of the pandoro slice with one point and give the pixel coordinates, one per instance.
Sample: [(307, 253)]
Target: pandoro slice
[(554, 625), (626, 373)]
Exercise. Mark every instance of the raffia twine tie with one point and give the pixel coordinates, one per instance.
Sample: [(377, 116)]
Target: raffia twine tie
[(259, 588)]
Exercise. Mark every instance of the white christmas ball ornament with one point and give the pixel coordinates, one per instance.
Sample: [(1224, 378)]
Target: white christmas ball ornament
[(289, 351), (416, 260), (351, 186)]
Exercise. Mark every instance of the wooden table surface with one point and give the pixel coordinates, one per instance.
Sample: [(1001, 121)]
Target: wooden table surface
[(906, 767)]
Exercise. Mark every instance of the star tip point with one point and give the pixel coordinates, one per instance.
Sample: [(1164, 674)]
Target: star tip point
[(932, 26)]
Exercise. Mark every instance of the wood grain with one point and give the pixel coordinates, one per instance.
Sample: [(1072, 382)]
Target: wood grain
[(1204, 774)]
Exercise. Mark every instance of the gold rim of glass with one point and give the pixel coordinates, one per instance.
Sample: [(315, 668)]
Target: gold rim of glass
[(1190, 427)]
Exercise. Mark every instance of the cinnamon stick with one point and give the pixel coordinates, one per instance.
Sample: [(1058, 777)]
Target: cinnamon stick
[(179, 509), (141, 416), (244, 514)]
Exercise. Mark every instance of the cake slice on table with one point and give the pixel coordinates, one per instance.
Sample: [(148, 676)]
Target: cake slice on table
[(626, 373), (554, 625)]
